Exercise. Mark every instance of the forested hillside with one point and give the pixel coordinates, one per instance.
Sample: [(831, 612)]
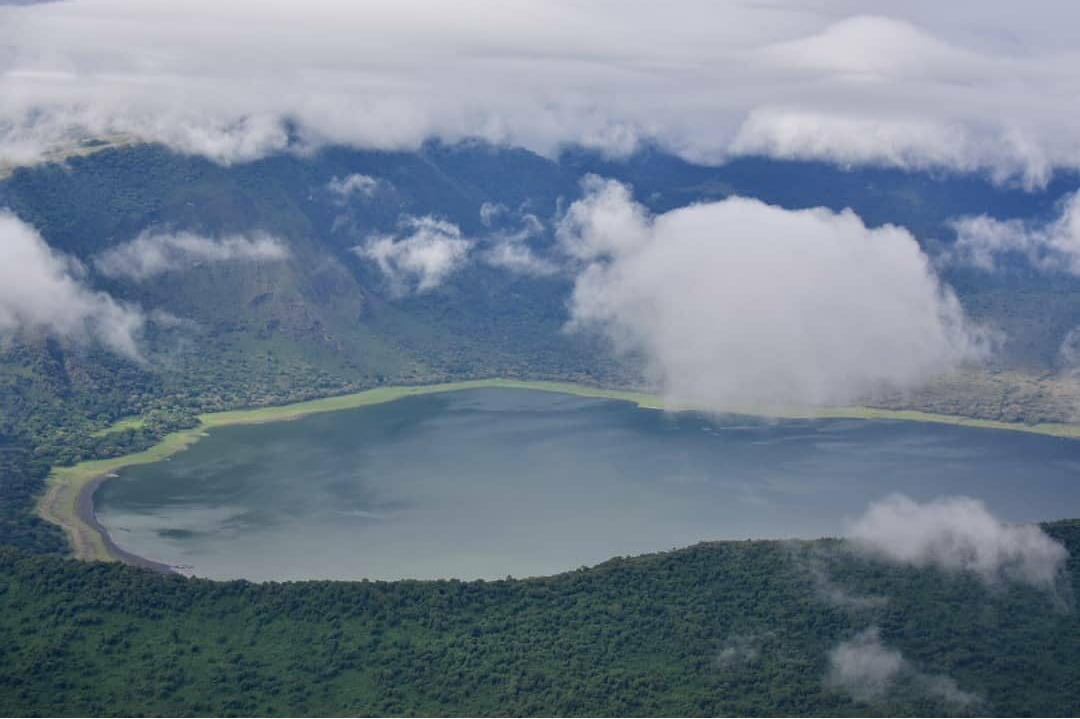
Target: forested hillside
[(744, 628)]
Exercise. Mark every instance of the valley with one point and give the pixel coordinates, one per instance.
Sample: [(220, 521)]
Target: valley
[(261, 342)]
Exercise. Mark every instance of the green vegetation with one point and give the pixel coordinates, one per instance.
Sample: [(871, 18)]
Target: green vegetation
[(123, 424), (21, 480), (733, 628)]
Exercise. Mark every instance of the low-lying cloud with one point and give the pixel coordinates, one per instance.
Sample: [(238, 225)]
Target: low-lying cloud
[(958, 534), (739, 649), (1053, 246), (863, 666), (519, 258), (43, 290), (868, 670), (421, 257), (742, 305), (916, 84), (152, 254), (509, 249)]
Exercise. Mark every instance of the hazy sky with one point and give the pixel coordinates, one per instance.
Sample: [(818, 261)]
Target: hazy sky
[(991, 85)]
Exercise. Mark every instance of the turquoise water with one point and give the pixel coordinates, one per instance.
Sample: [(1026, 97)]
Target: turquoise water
[(496, 482)]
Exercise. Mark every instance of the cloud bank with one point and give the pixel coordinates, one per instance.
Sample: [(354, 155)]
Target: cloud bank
[(742, 305), (152, 254), (958, 534), (918, 84), (42, 290), (1052, 246), (428, 251)]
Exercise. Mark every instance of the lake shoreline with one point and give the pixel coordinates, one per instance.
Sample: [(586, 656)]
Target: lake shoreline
[(86, 514), (69, 499)]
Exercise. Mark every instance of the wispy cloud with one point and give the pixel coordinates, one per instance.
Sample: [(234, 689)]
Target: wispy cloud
[(739, 649), (863, 666), (830, 592), (152, 254), (509, 248), (868, 670), (43, 290), (959, 534), (421, 257), (354, 185), (1052, 246)]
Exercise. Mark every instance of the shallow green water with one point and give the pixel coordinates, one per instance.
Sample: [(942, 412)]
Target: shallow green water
[(490, 483)]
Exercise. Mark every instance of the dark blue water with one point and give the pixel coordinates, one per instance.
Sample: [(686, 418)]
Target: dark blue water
[(490, 483)]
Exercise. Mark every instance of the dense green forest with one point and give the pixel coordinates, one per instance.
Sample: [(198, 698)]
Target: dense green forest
[(741, 628)]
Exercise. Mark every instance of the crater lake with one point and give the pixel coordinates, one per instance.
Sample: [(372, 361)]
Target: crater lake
[(494, 482)]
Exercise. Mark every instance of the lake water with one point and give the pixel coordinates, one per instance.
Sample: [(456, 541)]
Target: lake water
[(490, 483)]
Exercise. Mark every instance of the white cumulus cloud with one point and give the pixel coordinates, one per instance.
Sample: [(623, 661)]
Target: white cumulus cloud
[(424, 255), (152, 254), (42, 290), (958, 534), (742, 305)]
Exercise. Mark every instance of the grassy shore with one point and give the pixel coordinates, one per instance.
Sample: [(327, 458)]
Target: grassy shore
[(64, 485), (1050, 429), (389, 394), (60, 502)]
